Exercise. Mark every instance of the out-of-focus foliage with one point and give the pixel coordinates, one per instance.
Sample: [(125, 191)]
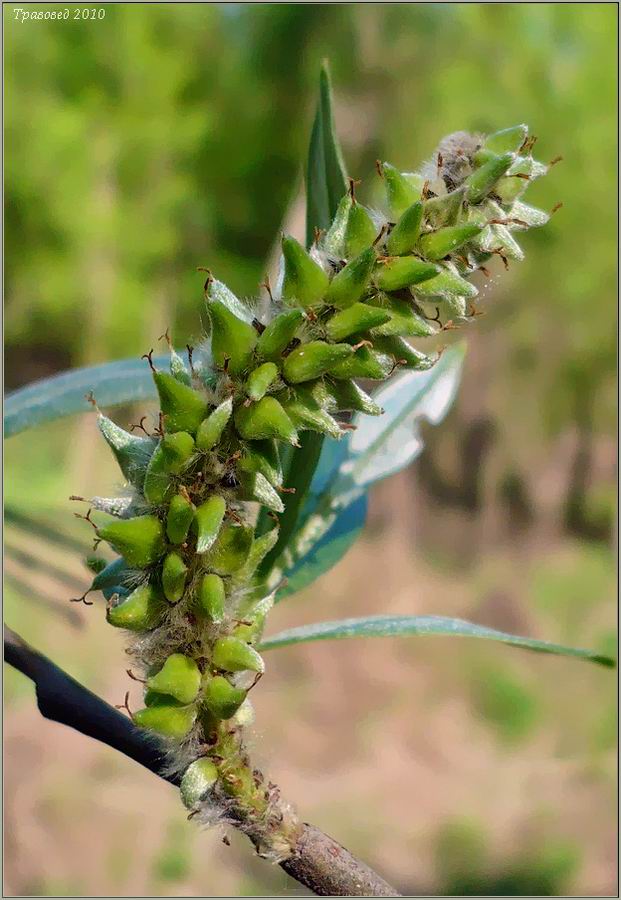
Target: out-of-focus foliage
[(164, 137)]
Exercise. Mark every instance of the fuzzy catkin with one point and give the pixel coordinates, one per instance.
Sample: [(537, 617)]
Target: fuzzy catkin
[(185, 585)]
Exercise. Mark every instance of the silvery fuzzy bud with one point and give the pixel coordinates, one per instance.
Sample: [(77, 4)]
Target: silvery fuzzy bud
[(198, 779)]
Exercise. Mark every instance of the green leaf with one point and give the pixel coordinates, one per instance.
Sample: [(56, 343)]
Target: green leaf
[(388, 626), (328, 550), (123, 381), (326, 183), (381, 446), (326, 176)]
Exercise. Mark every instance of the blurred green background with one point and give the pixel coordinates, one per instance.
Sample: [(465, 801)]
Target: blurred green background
[(164, 137)]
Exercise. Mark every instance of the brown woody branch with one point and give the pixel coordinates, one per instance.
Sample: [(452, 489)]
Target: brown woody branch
[(318, 862)]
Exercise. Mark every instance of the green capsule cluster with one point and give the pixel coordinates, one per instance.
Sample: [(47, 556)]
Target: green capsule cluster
[(185, 583)]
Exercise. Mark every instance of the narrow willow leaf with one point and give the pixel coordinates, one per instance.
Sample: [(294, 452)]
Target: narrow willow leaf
[(328, 550), (388, 443), (346, 469), (123, 381), (326, 178), (389, 626), (325, 186)]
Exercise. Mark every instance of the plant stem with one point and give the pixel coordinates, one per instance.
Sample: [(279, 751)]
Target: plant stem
[(316, 860)]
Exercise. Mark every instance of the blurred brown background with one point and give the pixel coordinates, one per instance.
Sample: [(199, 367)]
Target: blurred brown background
[(163, 137)]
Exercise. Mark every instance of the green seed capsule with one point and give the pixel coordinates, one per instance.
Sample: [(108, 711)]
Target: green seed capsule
[(177, 449), (440, 243), (444, 210), (132, 452), (265, 419), (263, 457), (512, 185), (306, 414), (402, 189), (482, 180), (167, 720), (446, 285), (174, 573), (304, 281), (142, 610), (256, 488), (528, 216), (364, 363), (402, 318), (179, 677), (351, 282), (311, 360), (403, 237), (212, 598), (498, 237), (231, 550), (404, 354), (179, 518), (358, 317), (454, 306), (346, 395), (233, 655), (279, 334), (360, 231), (232, 339), (198, 779), (208, 521), (403, 271), (260, 379), (183, 407), (170, 456), (221, 698), (507, 140), (210, 430), (140, 539)]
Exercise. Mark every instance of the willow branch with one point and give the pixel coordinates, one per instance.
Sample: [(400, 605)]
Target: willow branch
[(318, 862)]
